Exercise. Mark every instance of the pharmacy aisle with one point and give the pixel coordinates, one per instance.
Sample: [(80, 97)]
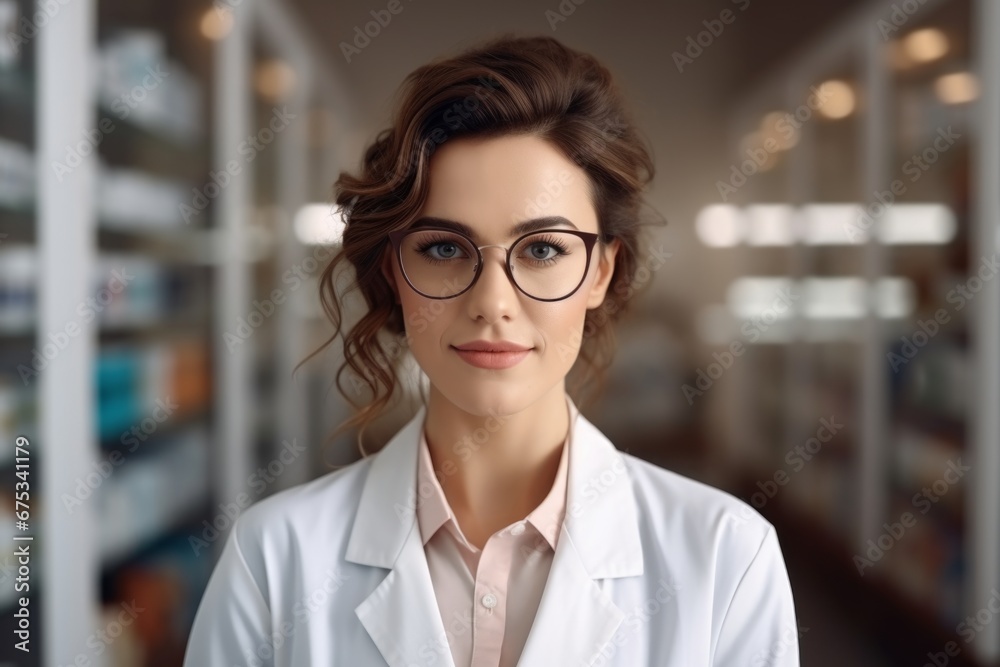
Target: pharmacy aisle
[(868, 200), (127, 230)]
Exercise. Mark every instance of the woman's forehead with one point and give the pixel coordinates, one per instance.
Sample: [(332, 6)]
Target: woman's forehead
[(495, 184)]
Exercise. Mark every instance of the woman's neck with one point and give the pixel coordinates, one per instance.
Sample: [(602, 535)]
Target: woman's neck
[(495, 468)]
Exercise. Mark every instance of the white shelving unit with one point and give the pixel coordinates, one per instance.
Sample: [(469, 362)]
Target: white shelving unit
[(983, 538), (67, 227), (845, 162), (219, 443), (301, 175)]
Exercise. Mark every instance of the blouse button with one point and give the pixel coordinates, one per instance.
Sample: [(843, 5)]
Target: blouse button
[(489, 600), (517, 528)]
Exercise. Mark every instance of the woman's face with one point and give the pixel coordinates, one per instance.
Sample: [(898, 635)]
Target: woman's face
[(490, 185)]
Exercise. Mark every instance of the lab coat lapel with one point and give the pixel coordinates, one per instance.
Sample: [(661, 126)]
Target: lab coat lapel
[(599, 539), (401, 615), (575, 620)]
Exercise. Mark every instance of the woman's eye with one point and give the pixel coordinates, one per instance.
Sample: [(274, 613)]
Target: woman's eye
[(541, 251), (443, 250)]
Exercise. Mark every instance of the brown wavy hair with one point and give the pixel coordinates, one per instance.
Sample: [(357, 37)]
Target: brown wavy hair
[(505, 86)]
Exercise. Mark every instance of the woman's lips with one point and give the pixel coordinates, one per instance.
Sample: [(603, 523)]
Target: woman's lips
[(491, 360)]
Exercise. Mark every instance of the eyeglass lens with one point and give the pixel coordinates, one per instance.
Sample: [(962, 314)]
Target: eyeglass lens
[(546, 265)]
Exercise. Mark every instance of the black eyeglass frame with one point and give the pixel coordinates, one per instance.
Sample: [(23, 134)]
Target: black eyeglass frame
[(396, 238)]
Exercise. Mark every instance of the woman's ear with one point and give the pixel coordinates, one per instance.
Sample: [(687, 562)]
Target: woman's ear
[(605, 269)]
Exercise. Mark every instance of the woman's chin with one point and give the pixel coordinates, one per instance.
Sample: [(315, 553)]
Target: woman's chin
[(487, 398)]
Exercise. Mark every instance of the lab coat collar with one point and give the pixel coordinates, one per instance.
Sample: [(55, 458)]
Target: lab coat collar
[(599, 539)]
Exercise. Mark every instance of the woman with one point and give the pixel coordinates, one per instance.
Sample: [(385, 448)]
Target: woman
[(495, 227)]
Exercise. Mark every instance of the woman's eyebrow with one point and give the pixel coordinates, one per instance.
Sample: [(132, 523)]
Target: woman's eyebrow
[(517, 230)]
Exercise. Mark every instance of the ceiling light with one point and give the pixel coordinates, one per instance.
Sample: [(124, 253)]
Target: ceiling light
[(925, 45), (838, 100)]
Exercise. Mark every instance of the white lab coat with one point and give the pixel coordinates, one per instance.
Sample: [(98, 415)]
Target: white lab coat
[(651, 568)]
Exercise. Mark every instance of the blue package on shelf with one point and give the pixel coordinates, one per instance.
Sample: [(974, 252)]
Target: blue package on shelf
[(117, 369), (119, 391), (116, 415)]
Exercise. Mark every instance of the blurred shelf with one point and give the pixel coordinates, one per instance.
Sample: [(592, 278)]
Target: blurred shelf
[(920, 398), (17, 89), (166, 328), (184, 522), (162, 435), (180, 245), (907, 631), (17, 105), (150, 497), (17, 221), (18, 336), (130, 133), (950, 429)]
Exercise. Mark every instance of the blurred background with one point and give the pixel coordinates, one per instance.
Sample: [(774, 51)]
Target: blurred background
[(820, 337)]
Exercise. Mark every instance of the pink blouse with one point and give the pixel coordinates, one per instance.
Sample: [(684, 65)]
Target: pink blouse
[(488, 598)]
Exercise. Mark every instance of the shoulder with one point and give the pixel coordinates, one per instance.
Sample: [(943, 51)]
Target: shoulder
[(315, 517), (725, 559), (323, 503), (678, 510)]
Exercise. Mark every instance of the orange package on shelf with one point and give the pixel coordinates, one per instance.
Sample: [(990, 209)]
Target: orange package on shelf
[(190, 379), (153, 598)]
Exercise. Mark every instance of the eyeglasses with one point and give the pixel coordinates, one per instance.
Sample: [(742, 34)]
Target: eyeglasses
[(546, 265)]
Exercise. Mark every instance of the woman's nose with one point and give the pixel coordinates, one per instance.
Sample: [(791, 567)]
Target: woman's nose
[(493, 296)]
